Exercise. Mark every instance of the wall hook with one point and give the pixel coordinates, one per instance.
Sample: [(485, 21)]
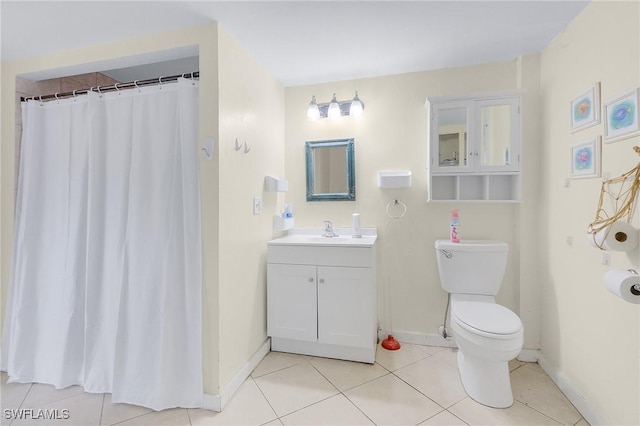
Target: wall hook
[(207, 148), (238, 145), (246, 148)]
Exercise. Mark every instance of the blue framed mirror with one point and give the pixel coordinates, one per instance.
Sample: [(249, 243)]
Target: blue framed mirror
[(330, 170)]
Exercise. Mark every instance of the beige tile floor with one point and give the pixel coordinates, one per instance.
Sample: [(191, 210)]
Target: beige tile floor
[(417, 385)]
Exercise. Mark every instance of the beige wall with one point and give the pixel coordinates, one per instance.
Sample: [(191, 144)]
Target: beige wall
[(589, 336), (251, 110), (392, 134), (206, 38)]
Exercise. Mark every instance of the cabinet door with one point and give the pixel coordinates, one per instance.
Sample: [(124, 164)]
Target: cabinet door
[(451, 124), (346, 306), (497, 148), (291, 302)]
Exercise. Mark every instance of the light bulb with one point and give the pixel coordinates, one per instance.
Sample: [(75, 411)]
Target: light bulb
[(313, 113), (334, 108), (356, 106)]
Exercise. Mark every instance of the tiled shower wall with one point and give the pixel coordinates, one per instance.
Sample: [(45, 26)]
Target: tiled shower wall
[(26, 88)]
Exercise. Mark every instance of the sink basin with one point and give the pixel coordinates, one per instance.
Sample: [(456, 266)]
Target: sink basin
[(319, 240)]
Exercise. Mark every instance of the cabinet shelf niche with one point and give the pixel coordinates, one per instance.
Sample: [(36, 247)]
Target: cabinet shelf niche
[(503, 188)]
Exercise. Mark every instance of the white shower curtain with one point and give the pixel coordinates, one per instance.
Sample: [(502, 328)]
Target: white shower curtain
[(106, 289)]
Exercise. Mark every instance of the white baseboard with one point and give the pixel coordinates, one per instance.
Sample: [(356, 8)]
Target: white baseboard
[(578, 401), (529, 355), (217, 402), (419, 338)]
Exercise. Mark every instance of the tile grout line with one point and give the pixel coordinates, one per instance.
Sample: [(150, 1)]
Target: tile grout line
[(540, 412), (346, 397), (266, 399), (139, 415), (278, 370), (101, 409), (307, 406), (189, 417)]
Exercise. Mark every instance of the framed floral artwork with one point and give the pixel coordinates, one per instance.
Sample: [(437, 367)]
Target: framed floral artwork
[(621, 116), (585, 159), (585, 109)]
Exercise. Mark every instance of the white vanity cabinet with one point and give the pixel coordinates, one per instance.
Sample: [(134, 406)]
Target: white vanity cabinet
[(321, 298), (474, 148)]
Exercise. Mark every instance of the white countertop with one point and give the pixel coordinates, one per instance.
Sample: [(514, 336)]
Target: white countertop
[(313, 237)]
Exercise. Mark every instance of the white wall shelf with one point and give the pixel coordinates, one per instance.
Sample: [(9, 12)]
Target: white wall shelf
[(394, 179), (274, 184), (283, 224)]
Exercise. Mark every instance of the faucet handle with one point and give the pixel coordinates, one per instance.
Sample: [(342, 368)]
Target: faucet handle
[(328, 224)]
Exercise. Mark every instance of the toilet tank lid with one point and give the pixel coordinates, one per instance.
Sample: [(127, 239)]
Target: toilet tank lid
[(472, 245), (487, 317)]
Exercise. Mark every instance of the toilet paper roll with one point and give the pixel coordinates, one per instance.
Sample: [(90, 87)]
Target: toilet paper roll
[(623, 284), (619, 236)]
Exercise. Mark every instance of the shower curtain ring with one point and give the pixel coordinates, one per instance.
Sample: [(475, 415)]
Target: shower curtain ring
[(116, 87), (56, 96), (74, 93)]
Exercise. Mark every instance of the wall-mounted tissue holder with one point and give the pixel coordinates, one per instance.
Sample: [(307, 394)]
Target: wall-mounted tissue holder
[(624, 284), (394, 179), (283, 224), (274, 184)]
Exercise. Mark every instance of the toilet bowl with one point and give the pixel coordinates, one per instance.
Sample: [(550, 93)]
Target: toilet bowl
[(488, 337)]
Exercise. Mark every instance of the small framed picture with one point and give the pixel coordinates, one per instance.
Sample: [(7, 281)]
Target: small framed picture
[(585, 159), (621, 117), (585, 109)]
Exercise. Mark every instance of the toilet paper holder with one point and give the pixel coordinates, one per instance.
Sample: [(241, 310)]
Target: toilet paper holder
[(635, 290)]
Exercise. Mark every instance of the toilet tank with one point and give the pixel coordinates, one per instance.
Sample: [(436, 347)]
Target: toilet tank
[(471, 266)]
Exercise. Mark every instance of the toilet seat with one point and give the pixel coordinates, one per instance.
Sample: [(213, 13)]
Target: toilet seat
[(487, 319)]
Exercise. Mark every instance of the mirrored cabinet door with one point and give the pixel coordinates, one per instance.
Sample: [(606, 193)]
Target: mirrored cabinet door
[(498, 135), (450, 135)]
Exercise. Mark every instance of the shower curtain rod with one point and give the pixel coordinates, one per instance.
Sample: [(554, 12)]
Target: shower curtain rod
[(112, 87)]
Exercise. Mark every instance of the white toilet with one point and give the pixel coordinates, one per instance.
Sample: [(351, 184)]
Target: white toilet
[(488, 335)]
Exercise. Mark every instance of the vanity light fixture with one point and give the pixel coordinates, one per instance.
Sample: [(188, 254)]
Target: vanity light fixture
[(313, 113), (335, 108), (356, 107)]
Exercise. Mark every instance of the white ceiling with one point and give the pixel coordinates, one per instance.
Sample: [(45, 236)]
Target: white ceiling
[(300, 42)]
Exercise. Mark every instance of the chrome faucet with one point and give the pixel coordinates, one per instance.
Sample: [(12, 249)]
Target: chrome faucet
[(328, 230)]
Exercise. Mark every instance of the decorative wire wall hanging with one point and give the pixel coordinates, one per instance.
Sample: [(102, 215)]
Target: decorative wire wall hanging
[(622, 192)]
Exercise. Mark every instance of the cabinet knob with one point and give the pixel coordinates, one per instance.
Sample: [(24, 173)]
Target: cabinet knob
[(321, 280), (310, 280)]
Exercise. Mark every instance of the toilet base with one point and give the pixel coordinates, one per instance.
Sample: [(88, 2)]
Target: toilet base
[(487, 382)]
